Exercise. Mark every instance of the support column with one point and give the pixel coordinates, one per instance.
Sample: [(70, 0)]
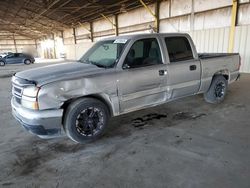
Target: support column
[(91, 32), (14, 42), (54, 45), (62, 37), (157, 15), (233, 24), (36, 43), (116, 25), (154, 15), (110, 21), (74, 35)]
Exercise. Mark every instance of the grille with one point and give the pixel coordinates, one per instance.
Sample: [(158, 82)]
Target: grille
[(18, 84), (17, 93)]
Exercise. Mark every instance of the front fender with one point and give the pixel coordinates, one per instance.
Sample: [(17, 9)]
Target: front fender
[(54, 95)]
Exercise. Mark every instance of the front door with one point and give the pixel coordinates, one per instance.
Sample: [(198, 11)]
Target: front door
[(141, 83)]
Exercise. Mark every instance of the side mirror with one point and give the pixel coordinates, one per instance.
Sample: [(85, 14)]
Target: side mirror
[(126, 66)]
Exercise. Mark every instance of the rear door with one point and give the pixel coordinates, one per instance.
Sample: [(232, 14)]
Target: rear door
[(141, 83), (20, 58), (184, 69)]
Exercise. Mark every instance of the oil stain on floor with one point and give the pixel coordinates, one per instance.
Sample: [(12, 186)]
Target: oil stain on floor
[(141, 121), (144, 120)]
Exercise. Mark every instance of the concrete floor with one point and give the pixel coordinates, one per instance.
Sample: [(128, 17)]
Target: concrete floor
[(185, 143)]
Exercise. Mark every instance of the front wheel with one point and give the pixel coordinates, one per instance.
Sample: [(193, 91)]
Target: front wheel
[(2, 63), (86, 120), (217, 90), (27, 62)]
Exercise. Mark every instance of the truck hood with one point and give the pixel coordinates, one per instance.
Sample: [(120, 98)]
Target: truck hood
[(57, 72)]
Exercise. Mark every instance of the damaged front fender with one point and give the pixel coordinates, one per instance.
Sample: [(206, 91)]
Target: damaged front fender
[(54, 95)]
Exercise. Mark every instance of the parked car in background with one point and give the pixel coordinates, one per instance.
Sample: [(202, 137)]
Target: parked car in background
[(17, 58)]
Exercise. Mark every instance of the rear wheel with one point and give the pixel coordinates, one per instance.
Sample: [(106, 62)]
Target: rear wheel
[(2, 63), (217, 90), (86, 120), (27, 62)]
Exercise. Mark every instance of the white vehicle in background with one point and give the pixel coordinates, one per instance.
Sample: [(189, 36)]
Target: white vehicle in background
[(2, 55)]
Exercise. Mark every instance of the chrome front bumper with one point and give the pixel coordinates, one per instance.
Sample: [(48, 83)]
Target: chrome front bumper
[(44, 123)]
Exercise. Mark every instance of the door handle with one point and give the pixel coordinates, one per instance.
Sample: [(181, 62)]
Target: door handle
[(162, 72), (192, 67)]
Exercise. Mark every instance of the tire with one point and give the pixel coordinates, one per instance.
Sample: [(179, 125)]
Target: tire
[(217, 91), (86, 120), (2, 63), (27, 62)]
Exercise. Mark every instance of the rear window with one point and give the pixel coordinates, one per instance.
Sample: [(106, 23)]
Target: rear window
[(179, 49)]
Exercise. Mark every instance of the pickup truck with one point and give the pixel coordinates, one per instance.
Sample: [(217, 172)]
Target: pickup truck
[(116, 76)]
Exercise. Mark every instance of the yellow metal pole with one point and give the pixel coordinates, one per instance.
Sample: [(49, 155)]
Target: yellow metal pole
[(106, 18), (233, 23), (84, 26), (151, 12)]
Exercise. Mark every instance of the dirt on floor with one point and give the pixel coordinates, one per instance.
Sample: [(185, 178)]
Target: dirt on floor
[(185, 143)]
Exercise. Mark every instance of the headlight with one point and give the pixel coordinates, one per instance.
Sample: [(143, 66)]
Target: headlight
[(31, 91), (29, 98)]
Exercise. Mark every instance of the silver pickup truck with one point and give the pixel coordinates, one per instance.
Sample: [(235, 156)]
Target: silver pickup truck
[(116, 76)]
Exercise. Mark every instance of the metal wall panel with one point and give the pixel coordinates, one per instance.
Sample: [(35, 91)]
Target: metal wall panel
[(211, 40), (211, 27), (244, 14), (103, 24), (180, 7), (203, 5), (216, 41), (242, 45), (164, 9), (134, 17)]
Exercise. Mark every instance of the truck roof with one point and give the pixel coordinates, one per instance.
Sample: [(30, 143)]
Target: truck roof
[(135, 36)]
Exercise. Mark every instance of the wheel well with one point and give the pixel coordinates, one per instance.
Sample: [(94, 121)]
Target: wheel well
[(68, 102), (225, 74)]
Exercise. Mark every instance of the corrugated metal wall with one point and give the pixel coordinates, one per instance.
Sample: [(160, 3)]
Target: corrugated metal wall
[(211, 40), (242, 45), (208, 24), (216, 40)]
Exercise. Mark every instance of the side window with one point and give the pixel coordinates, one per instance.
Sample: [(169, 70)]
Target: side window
[(179, 49), (144, 52), (10, 56)]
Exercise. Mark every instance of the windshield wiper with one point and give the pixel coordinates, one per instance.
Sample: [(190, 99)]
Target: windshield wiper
[(99, 65), (83, 61), (92, 63)]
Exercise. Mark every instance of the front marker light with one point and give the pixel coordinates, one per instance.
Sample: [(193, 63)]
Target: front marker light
[(30, 104)]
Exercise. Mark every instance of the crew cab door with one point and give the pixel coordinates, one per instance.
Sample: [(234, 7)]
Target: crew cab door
[(184, 70), (141, 83)]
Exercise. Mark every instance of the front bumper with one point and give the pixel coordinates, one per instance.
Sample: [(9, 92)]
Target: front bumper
[(44, 123)]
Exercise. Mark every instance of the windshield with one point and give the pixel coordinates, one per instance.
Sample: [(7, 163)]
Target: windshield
[(105, 54)]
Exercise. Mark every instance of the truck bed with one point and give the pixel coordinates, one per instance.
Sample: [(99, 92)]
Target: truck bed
[(215, 55)]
